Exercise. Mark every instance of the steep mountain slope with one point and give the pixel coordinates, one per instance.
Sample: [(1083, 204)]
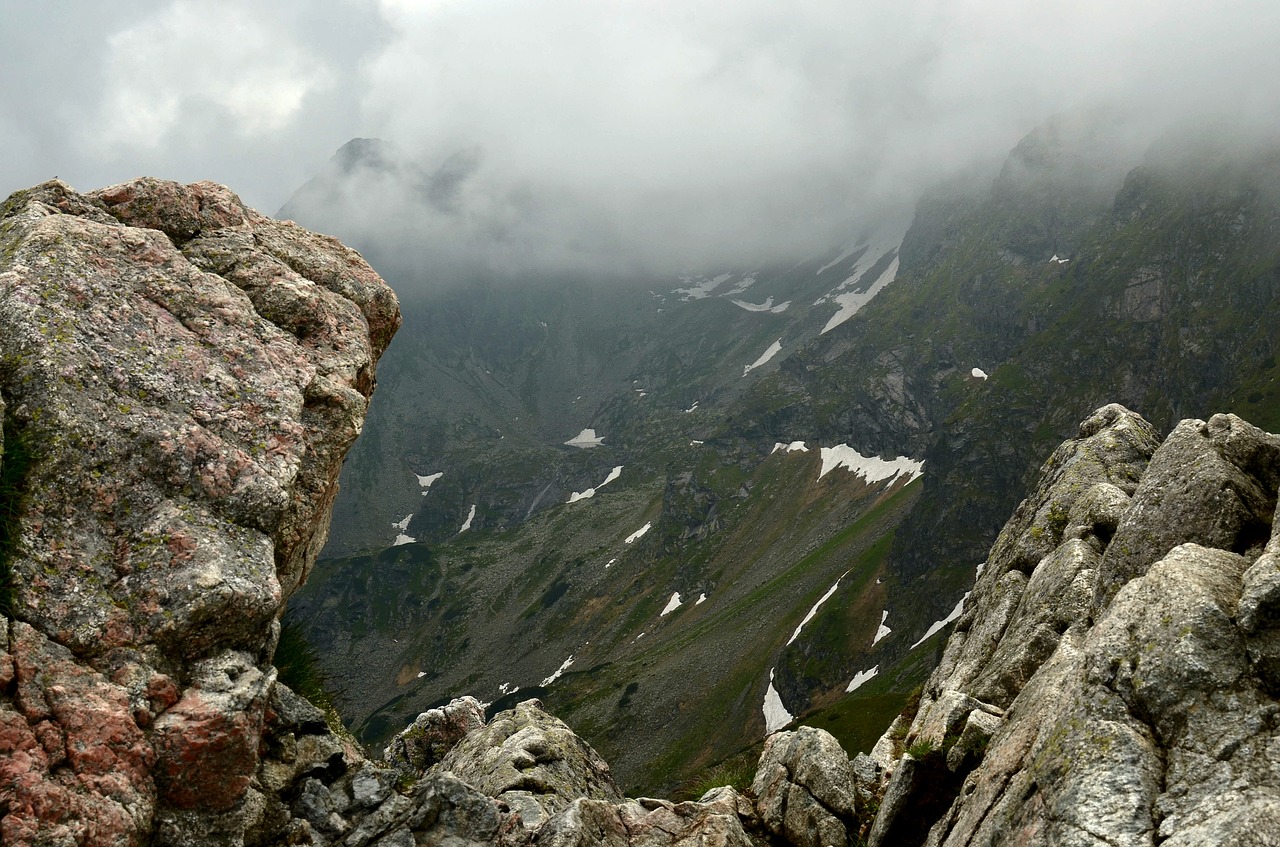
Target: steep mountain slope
[(1162, 304), (1015, 307)]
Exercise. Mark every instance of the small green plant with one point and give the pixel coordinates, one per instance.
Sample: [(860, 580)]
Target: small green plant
[(922, 750), (15, 460), (737, 771), (298, 667)]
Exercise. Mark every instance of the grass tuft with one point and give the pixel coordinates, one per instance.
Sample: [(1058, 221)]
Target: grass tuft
[(15, 460), (298, 666)]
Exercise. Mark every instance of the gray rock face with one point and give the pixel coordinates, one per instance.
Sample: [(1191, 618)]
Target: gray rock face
[(1159, 722), (186, 375), (805, 788), (433, 734), (1213, 483), (526, 754)]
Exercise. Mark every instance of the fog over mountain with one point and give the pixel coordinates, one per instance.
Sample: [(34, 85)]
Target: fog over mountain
[(607, 137)]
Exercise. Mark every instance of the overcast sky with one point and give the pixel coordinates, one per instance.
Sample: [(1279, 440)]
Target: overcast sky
[(633, 126)]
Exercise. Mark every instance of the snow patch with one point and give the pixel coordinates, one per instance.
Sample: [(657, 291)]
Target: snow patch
[(639, 533), (508, 688), (586, 439), (692, 408), (403, 526), (609, 563), (702, 598), (870, 468), (824, 598), (937, 625), (883, 631), (672, 604), (766, 306), (978, 373), (851, 301), (794, 446), (847, 252), (699, 288), (591, 492), (746, 282), (425, 481), (1057, 261), (774, 349), (776, 715), (563, 667), (860, 677), (696, 443), (421, 674), (470, 517)]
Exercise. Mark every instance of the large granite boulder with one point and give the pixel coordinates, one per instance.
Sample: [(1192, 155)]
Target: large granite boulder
[(180, 379), (531, 761), (805, 788)]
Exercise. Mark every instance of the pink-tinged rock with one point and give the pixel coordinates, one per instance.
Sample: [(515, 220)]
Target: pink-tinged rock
[(72, 760), (207, 743), (189, 375)]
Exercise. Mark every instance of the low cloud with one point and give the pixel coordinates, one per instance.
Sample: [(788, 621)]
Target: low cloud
[(612, 138)]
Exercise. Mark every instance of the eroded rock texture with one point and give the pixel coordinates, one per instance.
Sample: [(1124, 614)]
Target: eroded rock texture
[(1114, 682), (180, 377)]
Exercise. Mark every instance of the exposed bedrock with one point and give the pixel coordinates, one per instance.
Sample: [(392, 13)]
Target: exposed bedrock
[(1120, 689)]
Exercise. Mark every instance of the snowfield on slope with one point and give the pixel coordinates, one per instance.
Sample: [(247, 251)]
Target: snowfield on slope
[(870, 468), (883, 631), (586, 440), (638, 534), (672, 604), (776, 715), (403, 526), (937, 625), (766, 306), (860, 677), (816, 606), (426, 481), (774, 349), (470, 517), (560, 670), (591, 492)]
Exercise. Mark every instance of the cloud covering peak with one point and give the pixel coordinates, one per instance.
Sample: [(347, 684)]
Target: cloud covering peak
[(630, 132)]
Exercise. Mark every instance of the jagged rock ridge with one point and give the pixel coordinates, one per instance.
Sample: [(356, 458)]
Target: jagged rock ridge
[(1115, 674)]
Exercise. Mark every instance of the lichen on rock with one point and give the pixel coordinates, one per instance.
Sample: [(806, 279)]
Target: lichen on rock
[(187, 375)]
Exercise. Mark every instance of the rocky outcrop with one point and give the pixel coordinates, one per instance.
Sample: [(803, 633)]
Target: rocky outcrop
[(1114, 680), (181, 377)]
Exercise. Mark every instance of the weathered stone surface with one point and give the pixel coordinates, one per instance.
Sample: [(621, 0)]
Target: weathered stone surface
[(1157, 724), (1194, 491), (971, 746), (804, 788), (433, 734), (527, 750), (715, 821), (1113, 447), (187, 374), (75, 767), (1041, 573)]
